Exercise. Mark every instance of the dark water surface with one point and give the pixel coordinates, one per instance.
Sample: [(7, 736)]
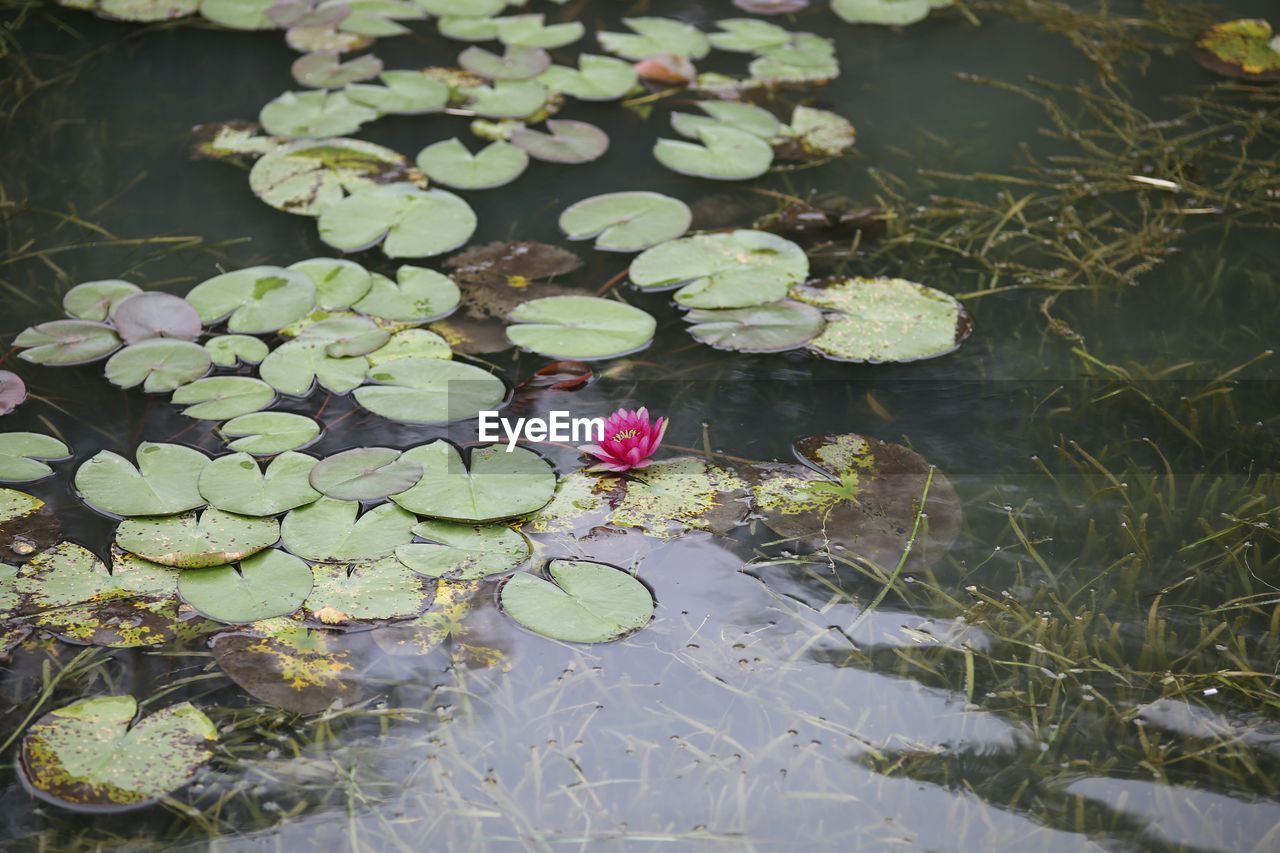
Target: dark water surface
[(1083, 668)]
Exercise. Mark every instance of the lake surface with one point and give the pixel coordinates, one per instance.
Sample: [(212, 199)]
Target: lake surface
[(1093, 662)]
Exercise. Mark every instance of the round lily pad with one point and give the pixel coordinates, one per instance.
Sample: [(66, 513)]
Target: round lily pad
[(885, 319), (346, 336), (450, 163), (13, 391), (230, 350), (531, 31), (724, 154), (568, 142), (366, 590), (479, 9), (270, 583), (402, 93), (325, 69), (815, 135), (654, 36), (597, 78), (269, 433), (329, 531), (94, 300), (61, 343), (737, 269), (411, 343), (306, 177), (158, 364), (807, 58), (191, 541), (365, 474), (748, 35), (155, 315), (283, 663), (626, 221), (580, 327), (754, 120), (314, 114), (491, 484), (463, 551), (418, 295), (23, 456), (255, 300), (897, 13), (1245, 49), (164, 482), (92, 756), (430, 390), (772, 327), (235, 484), (515, 63), (506, 98), (339, 283), (294, 368), (414, 223), (218, 398), (584, 602), (239, 14)]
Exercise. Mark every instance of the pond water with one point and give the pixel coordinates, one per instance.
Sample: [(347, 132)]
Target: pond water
[(1093, 661)]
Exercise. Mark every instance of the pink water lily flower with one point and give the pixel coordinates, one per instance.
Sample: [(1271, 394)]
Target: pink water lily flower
[(629, 440)]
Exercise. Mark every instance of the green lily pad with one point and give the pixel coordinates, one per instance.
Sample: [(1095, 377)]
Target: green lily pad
[(218, 398), (1245, 49), (306, 177), (283, 663), (515, 63), (230, 350), (506, 98), (418, 295), (463, 551), (748, 35), (859, 494), (94, 300), (268, 584), (339, 283), (580, 327), (450, 163), (239, 14), (295, 367), (411, 343), (138, 11), (626, 221), (234, 141), (365, 591), (158, 365), (322, 37), (737, 269), (597, 78), (654, 36), (346, 336), (531, 31), (568, 142), (269, 433), (885, 319), (772, 327), (23, 456), (191, 541), (328, 531), (725, 154), (314, 114), (754, 120), (407, 93), (235, 484), (492, 484), (92, 756), (807, 59), (326, 70), (365, 474), (462, 8), (27, 525), (62, 343), (430, 390), (413, 223), (584, 602), (255, 300), (815, 135), (165, 481), (897, 13)]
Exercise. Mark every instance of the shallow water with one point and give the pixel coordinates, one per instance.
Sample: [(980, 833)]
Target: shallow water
[(1082, 668)]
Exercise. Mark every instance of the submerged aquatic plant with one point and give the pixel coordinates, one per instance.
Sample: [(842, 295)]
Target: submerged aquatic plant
[(630, 440)]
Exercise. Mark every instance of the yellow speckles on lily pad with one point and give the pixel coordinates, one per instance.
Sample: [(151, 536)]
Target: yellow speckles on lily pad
[(1245, 49), (671, 497), (364, 591), (282, 662)]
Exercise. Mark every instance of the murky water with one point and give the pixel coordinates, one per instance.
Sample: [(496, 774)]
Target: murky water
[(1083, 667)]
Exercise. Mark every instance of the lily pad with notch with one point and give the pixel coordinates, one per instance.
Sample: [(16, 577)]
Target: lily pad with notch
[(722, 153), (339, 283), (270, 583), (449, 162), (296, 367), (736, 269), (165, 481), (365, 474), (191, 541), (64, 343), (324, 69), (410, 343), (895, 13), (597, 78), (345, 336), (315, 114), (515, 63), (158, 365), (230, 350), (489, 484), (402, 92), (236, 484), (580, 327), (531, 31), (155, 315), (218, 398), (626, 221), (269, 433), (328, 531), (418, 295), (255, 300), (772, 327), (651, 36), (409, 222), (23, 456), (463, 551), (583, 602), (568, 142), (308, 176), (374, 590), (94, 300), (283, 663), (430, 390), (506, 98)]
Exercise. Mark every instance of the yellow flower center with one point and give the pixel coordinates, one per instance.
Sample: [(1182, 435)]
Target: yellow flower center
[(626, 433)]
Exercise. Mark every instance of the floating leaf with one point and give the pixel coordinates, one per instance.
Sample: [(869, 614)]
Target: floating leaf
[(587, 603), (94, 300), (414, 223), (450, 163), (270, 583), (27, 525), (326, 70), (725, 154), (255, 300), (407, 93), (626, 221), (307, 177), (471, 335), (492, 484), (771, 7), (191, 541), (281, 662), (366, 590), (230, 350), (346, 336), (218, 398), (748, 35), (323, 37), (61, 343), (808, 59), (515, 63), (742, 116), (597, 78), (816, 135), (898, 13), (239, 14), (92, 756), (410, 343), (295, 367), (328, 531), (430, 390), (464, 8), (235, 484), (13, 391), (233, 141), (269, 433), (165, 481), (530, 31), (463, 551), (418, 295), (885, 319), (737, 269), (773, 327), (365, 474), (580, 327), (141, 11), (314, 114), (506, 98), (158, 364), (1245, 49), (23, 454), (568, 142), (652, 36), (339, 283), (512, 264)]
